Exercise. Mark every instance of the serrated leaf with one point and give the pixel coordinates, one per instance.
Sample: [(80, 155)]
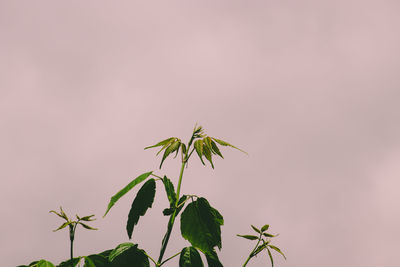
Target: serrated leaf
[(215, 149), (207, 153), (126, 189), (213, 260), (223, 143), (143, 201), (277, 250), (87, 226), (250, 237), (44, 263), (256, 229), (171, 148), (63, 226), (129, 256), (170, 190), (200, 225), (161, 143), (198, 146), (190, 257), (270, 257)]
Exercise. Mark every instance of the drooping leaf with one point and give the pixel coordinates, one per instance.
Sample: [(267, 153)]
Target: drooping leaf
[(250, 237), (198, 145), (143, 200), (61, 214), (170, 149), (129, 255), (215, 149), (96, 260), (268, 235), (207, 153), (223, 143), (200, 225), (190, 257), (63, 226), (183, 149), (170, 190), (162, 143), (87, 226), (87, 218), (256, 229), (44, 263), (126, 189), (213, 260), (264, 228), (67, 263), (277, 250)]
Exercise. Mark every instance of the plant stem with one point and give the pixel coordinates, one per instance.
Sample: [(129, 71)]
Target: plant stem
[(170, 258), (251, 253), (172, 219), (71, 238)]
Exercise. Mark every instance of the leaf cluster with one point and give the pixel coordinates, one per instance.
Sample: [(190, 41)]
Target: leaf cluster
[(263, 242), (73, 224)]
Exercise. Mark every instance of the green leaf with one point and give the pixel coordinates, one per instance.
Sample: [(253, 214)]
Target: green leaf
[(96, 260), (223, 143), (143, 200), (198, 145), (268, 235), (256, 229), (171, 148), (162, 143), (207, 153), (264, 228), (200, 225), (212, 259), (277, 250), (44, 263), (87, 218), (119, 250), (126, 189), (215, 149), (63, 226), (190, 257), (169, 211), (270, 257), (250, 237), (67, 263), (170, 190), (183, 149), (128, 255), (87, 226)]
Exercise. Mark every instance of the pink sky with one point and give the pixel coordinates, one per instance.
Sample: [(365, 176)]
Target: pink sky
[(310, 89)]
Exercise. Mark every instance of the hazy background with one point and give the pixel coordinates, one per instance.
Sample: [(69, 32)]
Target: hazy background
[(310, 89)]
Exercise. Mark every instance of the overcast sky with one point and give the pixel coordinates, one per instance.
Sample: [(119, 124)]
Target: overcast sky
[(310, 89)]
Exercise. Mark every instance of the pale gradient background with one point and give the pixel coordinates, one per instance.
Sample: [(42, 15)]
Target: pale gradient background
[(310, 89)]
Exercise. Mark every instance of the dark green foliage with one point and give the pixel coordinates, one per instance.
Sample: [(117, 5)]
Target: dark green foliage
[(128, 255), (200, 225), (143, 200), (213, 260), (170, 190), (190, 257), (97, 260)]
